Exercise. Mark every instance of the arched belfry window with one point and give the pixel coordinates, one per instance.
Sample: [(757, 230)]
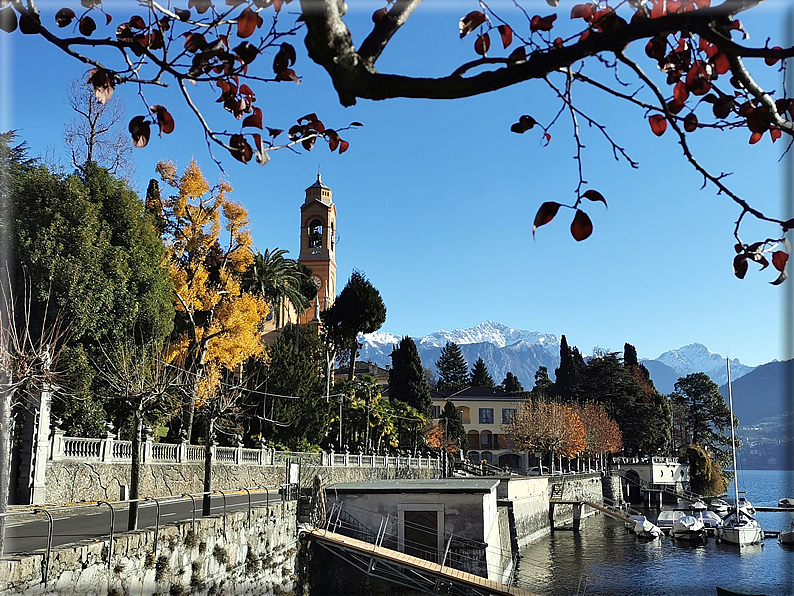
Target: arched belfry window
[(315, 230)]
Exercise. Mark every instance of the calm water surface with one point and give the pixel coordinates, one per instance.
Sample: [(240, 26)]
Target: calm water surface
[(614, 562)]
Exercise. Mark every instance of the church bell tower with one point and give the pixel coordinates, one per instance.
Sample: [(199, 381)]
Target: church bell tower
[(318, 244)]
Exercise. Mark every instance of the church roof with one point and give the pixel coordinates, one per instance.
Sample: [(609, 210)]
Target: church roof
[(319, 183)]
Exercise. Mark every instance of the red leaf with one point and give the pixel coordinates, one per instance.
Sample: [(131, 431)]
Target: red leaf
[(771, 60), (194, 42), (248, 92), (740, 266), (254, 120), (553, 3), (140, 130), (87, 26), (517, 56), (164, 120), (524, 123), (343, 145), (333, 139), (103, 84), (137, 22), (507, 35), (108, 18), (247, 23), (680, 92), (544, 215), (274, 132), (581, 226), (582, 11), (288, 75), (201, 6), (538, 23), (658, 124), (8, 19), (736, 25), (482, 44), (721, 63), (775, 134), (780, 279), (779, 259), (470, 22), (547, 139), (64, 17), (690, 122), (755, 137), (379, 14), (240, 149), (594, 195)]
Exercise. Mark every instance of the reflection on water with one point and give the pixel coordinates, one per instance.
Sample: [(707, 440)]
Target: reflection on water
[(613, 561)]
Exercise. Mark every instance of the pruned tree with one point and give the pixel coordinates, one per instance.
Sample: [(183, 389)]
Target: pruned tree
[(511, 384), (218, 322), (453, 372), (94, 134), (358, 309), (602, 434), (480, 377), (697, 74)]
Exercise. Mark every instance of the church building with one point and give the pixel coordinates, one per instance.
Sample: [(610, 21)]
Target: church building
[(318, 252)]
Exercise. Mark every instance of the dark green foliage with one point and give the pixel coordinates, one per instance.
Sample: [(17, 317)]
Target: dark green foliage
[(544, 387), (407, 381), (703, 415), (630, 355), (86, 244), (452, 423), (358, 309), (569, 373), (280, 279), (291, 371), (480, 377), (453, 372), (512, 385)]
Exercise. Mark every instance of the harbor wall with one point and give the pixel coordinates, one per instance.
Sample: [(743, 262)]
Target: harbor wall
[(72, 481), (234, 558)]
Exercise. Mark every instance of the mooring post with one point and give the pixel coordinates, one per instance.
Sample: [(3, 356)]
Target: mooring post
[(551, 517), (577, 516)]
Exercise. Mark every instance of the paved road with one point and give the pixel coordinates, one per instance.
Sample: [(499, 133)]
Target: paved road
[(29, 534)]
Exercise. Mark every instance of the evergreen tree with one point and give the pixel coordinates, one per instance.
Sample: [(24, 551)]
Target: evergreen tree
[(480, 377), (544, 387), (569, 372), (630, 355), (511, 384), (705, 416), (407, 381), (453, 373), (297, 424), (452, 423), (358, 309)]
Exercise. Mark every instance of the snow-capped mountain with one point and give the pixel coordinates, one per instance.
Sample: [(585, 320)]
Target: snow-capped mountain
[(502, 348), (522, 352), (698, 358)]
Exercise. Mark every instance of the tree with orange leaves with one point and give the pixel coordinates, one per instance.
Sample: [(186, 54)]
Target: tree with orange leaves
[(602, 434), (208, 244)]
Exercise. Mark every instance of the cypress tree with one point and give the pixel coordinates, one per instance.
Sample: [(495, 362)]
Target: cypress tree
[(453, 373), (480, 377), (407, 381), (452, 422), (569, 372), (629, 355)]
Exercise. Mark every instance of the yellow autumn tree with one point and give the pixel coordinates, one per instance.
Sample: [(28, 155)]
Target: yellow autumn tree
[(208, 242)]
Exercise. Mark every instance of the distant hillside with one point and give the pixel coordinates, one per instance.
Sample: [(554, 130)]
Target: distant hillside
[(765, 393), (663, 376)]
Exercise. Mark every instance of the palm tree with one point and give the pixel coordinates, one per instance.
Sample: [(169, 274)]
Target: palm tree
[(279, 279)]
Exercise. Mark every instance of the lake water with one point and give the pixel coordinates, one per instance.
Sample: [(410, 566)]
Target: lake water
[(611, 561)]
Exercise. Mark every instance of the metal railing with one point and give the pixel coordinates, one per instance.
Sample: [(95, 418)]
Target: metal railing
[(111, 449)]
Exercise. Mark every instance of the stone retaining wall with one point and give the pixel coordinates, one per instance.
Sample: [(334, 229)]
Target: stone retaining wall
[(72, 482), (246, 560)]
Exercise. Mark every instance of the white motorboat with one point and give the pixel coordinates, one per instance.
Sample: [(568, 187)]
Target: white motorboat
[(787, 503), (720, 507), (740, 527), (643, 528), (711, 520), (667, 517), (787, 536), (692, 506), (688, 527)]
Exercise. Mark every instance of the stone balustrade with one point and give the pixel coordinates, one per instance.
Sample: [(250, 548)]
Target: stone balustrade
[(112, 450)]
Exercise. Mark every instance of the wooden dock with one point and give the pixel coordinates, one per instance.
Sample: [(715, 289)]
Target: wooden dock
[(415, 564), (762, 508)]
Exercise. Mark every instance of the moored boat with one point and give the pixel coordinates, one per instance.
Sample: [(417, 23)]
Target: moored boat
[(643, 528), (688, 527), (787, 536), (787, 503), (719, 507)]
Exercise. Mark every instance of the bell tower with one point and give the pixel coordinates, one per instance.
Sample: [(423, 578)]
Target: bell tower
[(318, 243)]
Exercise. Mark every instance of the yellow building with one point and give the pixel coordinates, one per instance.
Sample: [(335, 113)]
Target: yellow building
[(485, 412), (317, 244)]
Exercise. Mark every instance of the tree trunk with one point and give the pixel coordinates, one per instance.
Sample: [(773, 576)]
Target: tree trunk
[(197, 369), (207, 500), (5, 456), (353, 350), (135, 473)]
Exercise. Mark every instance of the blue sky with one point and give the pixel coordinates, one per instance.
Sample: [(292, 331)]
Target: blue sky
[(436, 199)]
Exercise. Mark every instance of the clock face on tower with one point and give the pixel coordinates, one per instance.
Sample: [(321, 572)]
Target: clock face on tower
[(317, 281)]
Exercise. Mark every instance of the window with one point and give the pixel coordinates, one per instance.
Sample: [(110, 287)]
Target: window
[(436, 411), (508, 415), (486, 415)]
